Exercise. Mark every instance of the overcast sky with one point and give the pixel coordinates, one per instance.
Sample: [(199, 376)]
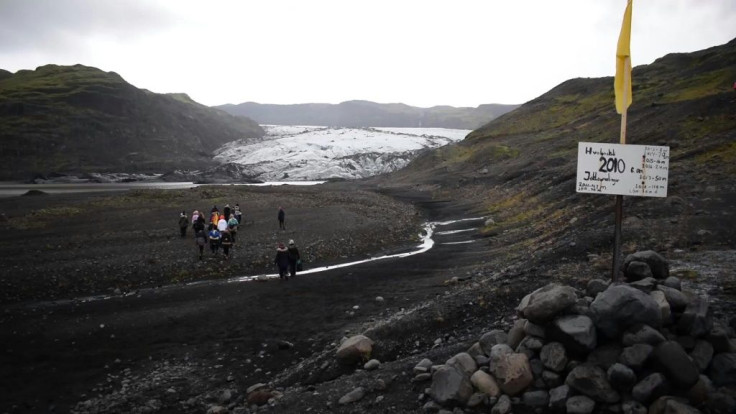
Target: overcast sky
[(419, 52)]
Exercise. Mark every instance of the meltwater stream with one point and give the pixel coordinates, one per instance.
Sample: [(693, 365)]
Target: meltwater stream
[(426, 244)]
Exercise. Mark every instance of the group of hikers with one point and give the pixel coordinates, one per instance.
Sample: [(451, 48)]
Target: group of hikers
[(222, 229)]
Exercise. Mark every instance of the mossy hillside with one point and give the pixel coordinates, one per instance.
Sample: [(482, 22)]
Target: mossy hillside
[(81, 119), (684, 101)]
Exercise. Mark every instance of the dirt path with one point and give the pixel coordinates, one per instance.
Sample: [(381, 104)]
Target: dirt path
[(58, 354)]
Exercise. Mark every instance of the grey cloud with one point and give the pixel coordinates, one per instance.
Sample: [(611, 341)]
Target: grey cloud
[(51, 25)]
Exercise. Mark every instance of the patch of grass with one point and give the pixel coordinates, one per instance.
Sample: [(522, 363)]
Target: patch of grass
[(699, 86), (724, 155), (688, 274), (38, 219)]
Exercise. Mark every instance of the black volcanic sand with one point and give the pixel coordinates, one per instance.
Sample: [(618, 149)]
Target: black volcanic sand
[(211, 334), (154, 342)]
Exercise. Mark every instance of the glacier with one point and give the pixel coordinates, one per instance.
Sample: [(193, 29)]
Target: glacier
[(321, 153)]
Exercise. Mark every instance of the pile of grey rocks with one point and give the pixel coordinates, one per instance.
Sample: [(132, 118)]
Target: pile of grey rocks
[(643, 345)]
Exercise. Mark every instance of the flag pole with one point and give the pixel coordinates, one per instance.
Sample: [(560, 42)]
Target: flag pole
[(619, 209), (622, 89)]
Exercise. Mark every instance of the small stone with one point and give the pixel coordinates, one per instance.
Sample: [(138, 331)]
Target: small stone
[(422, 377), (372, 365), (423, 366), (353, 396)]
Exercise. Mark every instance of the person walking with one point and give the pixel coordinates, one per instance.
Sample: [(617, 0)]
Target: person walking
[(200, 239), (294, 258), (199, 224), (183, 224), (238, 214), (214, 239), (195, 216), (282, 218), (282, 261), (232, 226), (222, 224), (226, 241)]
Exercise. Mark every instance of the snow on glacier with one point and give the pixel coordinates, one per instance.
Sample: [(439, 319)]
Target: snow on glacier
[(318, 153)]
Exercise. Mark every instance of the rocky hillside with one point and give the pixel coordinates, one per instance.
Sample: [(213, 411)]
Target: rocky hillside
[(369, 114), (81, 119), (520, 169)]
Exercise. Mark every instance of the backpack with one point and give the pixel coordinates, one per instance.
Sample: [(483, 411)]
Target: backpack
[(226, 239), (233, 224)]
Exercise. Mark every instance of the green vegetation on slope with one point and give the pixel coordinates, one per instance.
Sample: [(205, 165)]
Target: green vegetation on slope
[(520, 169), (81, 119)]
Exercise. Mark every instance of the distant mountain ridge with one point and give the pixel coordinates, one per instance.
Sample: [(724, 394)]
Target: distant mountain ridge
[(82, 119), (359, 114)]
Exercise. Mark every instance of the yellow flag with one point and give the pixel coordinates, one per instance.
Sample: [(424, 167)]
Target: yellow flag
[(622, 82)]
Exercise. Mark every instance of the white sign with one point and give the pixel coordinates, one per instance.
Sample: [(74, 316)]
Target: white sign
[(630, 170)]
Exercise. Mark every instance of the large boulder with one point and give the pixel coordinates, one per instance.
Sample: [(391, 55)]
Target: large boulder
[(620, 307), (516, 333), (464, 362), (637, 270), (513, 372), (485, 383), (576, 332), (621, 377), (592, 381), (677, 300), (723, 369), (702, 354), (558, 396), (697, 320), (545, 303), (658, 265), (664, 306), (553, 356), (669, 404), (635, 356), (672, 360), (356, 349), (596, 286), (651, 387), (580, 404), (642, 334), (488, 339), (450, 386)]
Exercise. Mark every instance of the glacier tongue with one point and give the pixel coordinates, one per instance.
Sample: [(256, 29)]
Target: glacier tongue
[(320, 153)]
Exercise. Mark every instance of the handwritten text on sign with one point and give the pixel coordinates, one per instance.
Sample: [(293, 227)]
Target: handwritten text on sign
[(631, 170)]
